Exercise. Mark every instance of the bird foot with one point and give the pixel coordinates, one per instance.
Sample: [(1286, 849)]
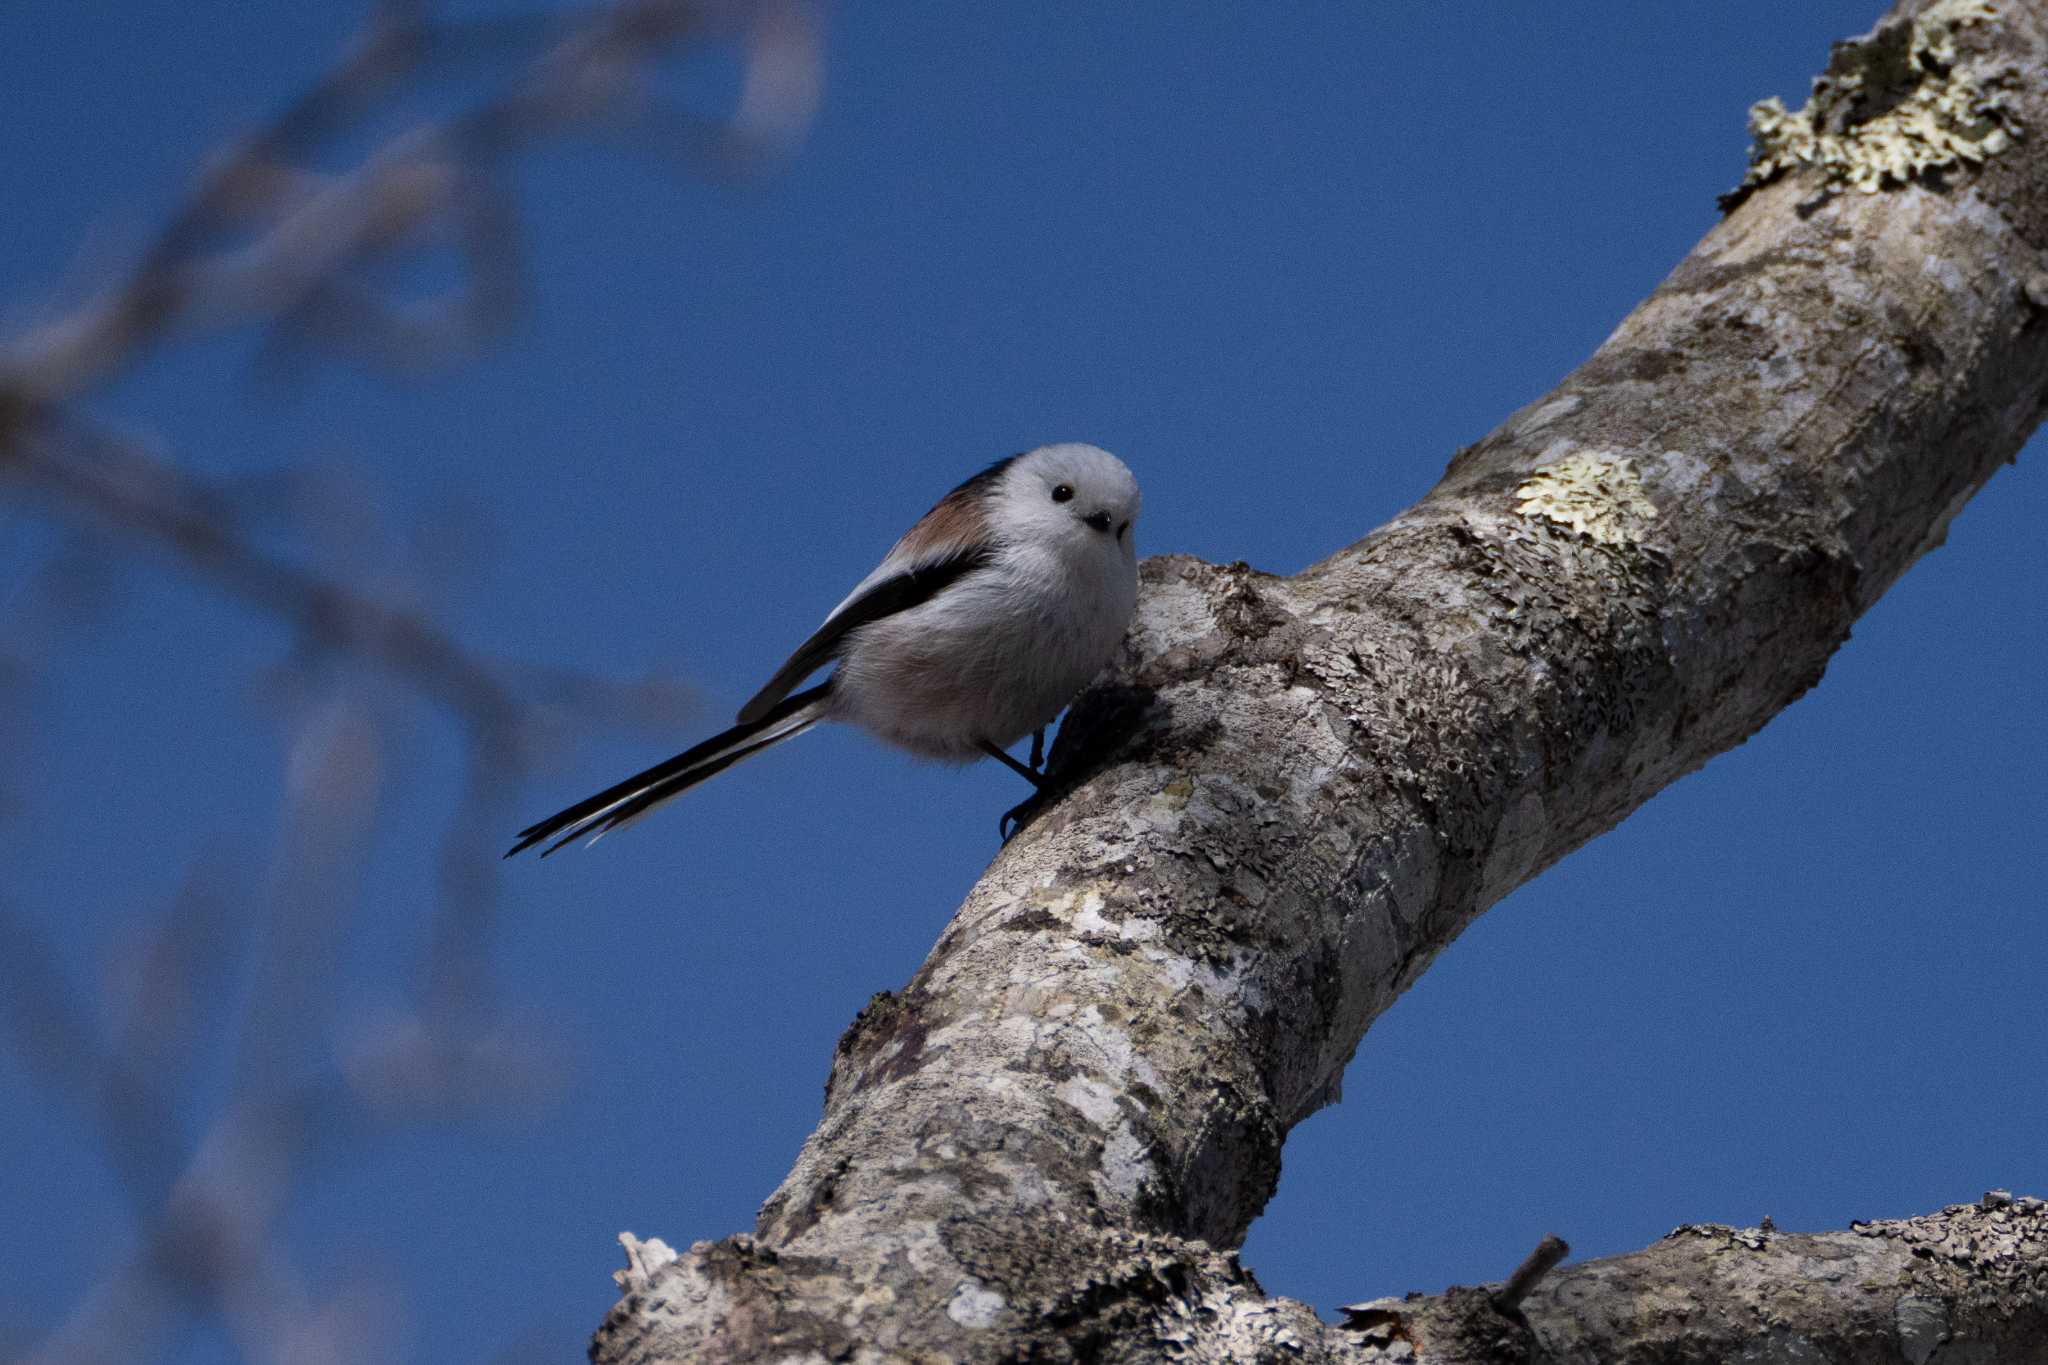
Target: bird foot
[(1023, 813)]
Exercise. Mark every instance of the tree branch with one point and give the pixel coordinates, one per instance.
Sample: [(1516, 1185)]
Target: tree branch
[(1299, 790), (1971, 1280)]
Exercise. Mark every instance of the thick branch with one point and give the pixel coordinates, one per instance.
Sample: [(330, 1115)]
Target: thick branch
[(1300, 790), (1970, 1281)]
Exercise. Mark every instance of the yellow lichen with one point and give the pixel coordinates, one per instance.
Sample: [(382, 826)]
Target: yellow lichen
[(1891, 108), (1599, 498)]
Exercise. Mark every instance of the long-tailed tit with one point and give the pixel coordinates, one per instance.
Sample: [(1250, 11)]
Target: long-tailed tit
[(974, 631)]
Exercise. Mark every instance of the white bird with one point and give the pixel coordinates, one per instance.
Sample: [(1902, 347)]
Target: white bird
[(974, 631)]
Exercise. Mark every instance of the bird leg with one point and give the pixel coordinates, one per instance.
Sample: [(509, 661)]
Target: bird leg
[(1038, 750), (1110, 715), (1016, 814), (1012, 764)]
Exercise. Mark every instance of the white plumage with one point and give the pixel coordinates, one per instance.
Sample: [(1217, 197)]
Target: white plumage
[(974, 631)]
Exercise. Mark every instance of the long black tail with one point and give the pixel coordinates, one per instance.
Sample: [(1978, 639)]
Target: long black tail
[(615, 807)]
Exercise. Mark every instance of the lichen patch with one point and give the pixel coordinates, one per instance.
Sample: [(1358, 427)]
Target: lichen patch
[(974, 1305), (1590, 494), (1891, 108)]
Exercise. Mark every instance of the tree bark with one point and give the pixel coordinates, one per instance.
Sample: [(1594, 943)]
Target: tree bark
[(1970, 1282), (1296, 791)]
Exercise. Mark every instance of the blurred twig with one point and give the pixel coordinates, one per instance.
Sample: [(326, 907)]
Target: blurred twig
[(305, 234), (160, 506), (273, 237)]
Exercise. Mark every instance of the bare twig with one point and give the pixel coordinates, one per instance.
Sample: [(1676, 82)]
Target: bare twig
[(1539, 1263)]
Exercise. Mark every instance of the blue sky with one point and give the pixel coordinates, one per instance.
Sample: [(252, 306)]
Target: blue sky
[(1284, 259)]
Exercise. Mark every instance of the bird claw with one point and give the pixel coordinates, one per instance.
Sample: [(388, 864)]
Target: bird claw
[(1019, 815)]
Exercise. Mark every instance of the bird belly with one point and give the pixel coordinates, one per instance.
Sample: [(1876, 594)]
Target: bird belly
[(940, 678)]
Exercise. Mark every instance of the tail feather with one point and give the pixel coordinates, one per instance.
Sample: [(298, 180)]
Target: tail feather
[(620, 805)]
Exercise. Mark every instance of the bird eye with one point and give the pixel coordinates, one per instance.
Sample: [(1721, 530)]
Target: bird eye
[(1063, 492), (1122, 529)]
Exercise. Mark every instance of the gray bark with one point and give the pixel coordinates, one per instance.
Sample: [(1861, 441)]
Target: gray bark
[(1967, 1284), (1297, 791)]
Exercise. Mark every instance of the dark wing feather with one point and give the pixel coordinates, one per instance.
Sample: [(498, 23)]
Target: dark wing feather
[(913, 587)]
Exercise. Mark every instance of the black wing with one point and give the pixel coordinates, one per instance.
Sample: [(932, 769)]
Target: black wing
[(911, 588)]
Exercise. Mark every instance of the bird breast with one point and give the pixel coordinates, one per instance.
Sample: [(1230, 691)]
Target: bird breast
[(996, 656)]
